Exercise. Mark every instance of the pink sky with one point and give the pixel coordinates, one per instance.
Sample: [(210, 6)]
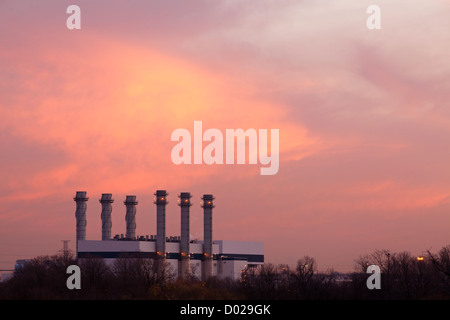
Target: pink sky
[(364, 120)]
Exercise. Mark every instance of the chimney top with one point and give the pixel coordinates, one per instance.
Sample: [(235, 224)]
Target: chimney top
[(106, 198), (184, 199), (161, 197), (81, 196), (130, 200), (207, 201)]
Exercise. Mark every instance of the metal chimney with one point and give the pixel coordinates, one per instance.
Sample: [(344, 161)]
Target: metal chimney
[(106, 201), (207, 205), (80, 215), (161, 201), (185, 204), (130, 216)]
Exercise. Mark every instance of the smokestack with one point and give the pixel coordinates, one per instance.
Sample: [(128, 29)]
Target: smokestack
[(80, 215), (185, 204), (130, 216), (106, 201), (161, 201), (207, 205)]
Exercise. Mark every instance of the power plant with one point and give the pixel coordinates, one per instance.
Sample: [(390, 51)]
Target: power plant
[(185, 256)]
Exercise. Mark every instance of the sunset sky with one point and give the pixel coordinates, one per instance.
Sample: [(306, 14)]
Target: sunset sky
[(364, 120)]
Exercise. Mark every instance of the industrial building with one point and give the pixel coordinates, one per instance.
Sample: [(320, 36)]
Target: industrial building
[(186, 257)]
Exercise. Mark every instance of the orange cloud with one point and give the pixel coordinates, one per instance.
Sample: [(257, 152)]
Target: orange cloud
[(111, 108)]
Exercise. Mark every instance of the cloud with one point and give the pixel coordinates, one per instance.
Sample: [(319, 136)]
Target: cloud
[(362, 114), (110, 108)]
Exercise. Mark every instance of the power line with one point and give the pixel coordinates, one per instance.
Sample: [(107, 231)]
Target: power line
[(14, 254)]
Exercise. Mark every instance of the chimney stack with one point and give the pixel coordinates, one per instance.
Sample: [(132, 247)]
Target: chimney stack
[(185, 204), (130, 216), (161, 201), (106, 201), (207, 205), (80, 214)]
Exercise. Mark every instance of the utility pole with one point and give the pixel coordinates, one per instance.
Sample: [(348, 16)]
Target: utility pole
[(65, 250)]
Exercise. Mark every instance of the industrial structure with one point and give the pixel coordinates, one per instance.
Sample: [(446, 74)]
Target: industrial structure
[(185, 256)]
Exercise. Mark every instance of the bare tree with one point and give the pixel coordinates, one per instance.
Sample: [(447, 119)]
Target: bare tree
[(403, 273), (442, 260), (381, 258), (96, 278), (260, 282), (138, 275), (43, 277), (303, 275), (441, 263)]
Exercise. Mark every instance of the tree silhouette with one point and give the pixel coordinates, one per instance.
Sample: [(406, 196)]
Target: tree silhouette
[(403, 276)]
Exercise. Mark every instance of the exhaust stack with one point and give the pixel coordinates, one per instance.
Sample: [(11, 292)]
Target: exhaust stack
[(207, 205), (80, 215), (185, 204), (106, 202), (130, 216), (161, 201)]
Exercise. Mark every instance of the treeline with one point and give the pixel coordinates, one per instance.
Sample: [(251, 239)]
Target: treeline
[(403, 276)]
